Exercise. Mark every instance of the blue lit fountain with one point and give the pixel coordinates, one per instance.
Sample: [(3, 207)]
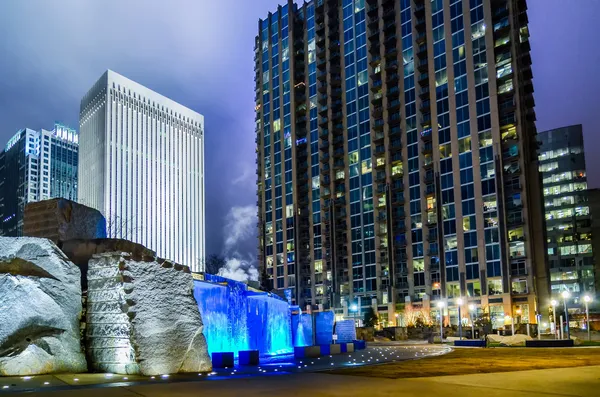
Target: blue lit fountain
[(237, 318)]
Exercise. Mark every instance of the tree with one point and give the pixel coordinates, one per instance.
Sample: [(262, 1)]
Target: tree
[(370, 318), (265, 282), (214, 263)]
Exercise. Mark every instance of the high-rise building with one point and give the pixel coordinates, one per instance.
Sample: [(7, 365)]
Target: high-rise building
[(567, 212), (142, 158), (397, 156), (34, 166)]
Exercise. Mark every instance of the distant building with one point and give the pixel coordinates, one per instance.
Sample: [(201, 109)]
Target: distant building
[(143, 167), (567, 211), (34, 166), (594, 203)]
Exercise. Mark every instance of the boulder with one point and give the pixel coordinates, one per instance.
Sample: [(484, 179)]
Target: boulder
[(81, 251), (40, 308), (61, 220), (142, 317)]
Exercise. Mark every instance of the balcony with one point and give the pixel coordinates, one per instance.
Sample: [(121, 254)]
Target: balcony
[(427, 148), (397, 186), (376, 85), (422, 51), (391, 65), (338, 164), (378, 136), (428, 177), (394, 119), (324, 158), (324, 146), (391, 78), (378, 124), (393, 105), (430, 190), (396, 145)]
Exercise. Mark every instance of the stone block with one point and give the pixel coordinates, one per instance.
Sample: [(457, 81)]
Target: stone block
[(40, 309), (347, 347), (222, 360), (61, 220), (335, 349), (143, 317), (307, 352), (81, 252), (249, 357)]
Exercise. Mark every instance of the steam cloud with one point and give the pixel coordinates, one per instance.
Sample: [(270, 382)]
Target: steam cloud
[(240, 226)]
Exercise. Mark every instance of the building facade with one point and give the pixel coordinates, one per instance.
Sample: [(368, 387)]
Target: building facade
[(143, 167), (397, 156), (35, 166), (567, 211)]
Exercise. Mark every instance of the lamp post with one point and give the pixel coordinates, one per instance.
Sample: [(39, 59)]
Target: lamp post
[(441, 305), (553, 303), (565, 294), (587, 299), (459, 302), (471, 310)]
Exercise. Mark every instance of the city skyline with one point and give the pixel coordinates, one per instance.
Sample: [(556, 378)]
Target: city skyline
[(219, 81)]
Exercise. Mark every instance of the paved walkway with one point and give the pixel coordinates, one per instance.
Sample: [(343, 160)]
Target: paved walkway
[(582, 381), (274, 367)]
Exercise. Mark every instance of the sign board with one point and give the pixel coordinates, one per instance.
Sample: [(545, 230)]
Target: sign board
[(345, 331)]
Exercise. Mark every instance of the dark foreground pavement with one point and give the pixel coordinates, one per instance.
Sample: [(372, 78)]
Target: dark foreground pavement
[(581, 381)]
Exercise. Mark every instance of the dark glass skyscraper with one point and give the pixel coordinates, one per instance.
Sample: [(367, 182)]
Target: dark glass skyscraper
[(397, 156), (567, 211), (36, 166)]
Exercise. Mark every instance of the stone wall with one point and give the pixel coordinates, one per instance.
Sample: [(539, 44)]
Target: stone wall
[(142, 317)]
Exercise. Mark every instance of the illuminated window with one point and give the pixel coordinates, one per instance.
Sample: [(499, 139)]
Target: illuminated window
[(464, 145), (445, 151), (495, 287), (319, 266), (366, 166), (419, 265)]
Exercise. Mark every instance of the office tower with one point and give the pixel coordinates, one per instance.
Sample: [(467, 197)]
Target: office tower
[(34, 166), (567, 210), (396, 156), (142, 158)]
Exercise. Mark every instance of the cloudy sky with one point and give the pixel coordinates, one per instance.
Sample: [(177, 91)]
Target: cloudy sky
[(200, 53)]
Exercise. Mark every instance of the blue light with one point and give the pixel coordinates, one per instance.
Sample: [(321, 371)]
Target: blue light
[(237, 319)]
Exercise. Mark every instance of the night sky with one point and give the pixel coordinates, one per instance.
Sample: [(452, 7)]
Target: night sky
[(200, 54)]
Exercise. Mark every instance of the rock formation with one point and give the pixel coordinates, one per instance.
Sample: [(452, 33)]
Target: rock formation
[(40, 305), (62, 220), (142, 317)]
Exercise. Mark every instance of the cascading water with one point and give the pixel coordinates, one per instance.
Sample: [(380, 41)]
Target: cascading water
[(237, 319), (303, 329)]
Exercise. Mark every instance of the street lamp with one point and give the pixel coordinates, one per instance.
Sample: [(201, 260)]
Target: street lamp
[(471, 310), (587, 299), (554, 303), (565, 295), (459, 302), (441, 305)]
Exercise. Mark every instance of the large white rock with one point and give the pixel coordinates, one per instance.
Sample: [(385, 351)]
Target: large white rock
[(142, 317), (40, 309)]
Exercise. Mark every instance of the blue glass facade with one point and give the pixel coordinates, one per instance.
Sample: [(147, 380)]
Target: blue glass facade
[(393, 125)]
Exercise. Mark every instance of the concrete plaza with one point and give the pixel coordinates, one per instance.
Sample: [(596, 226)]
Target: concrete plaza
[(581, 381)]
